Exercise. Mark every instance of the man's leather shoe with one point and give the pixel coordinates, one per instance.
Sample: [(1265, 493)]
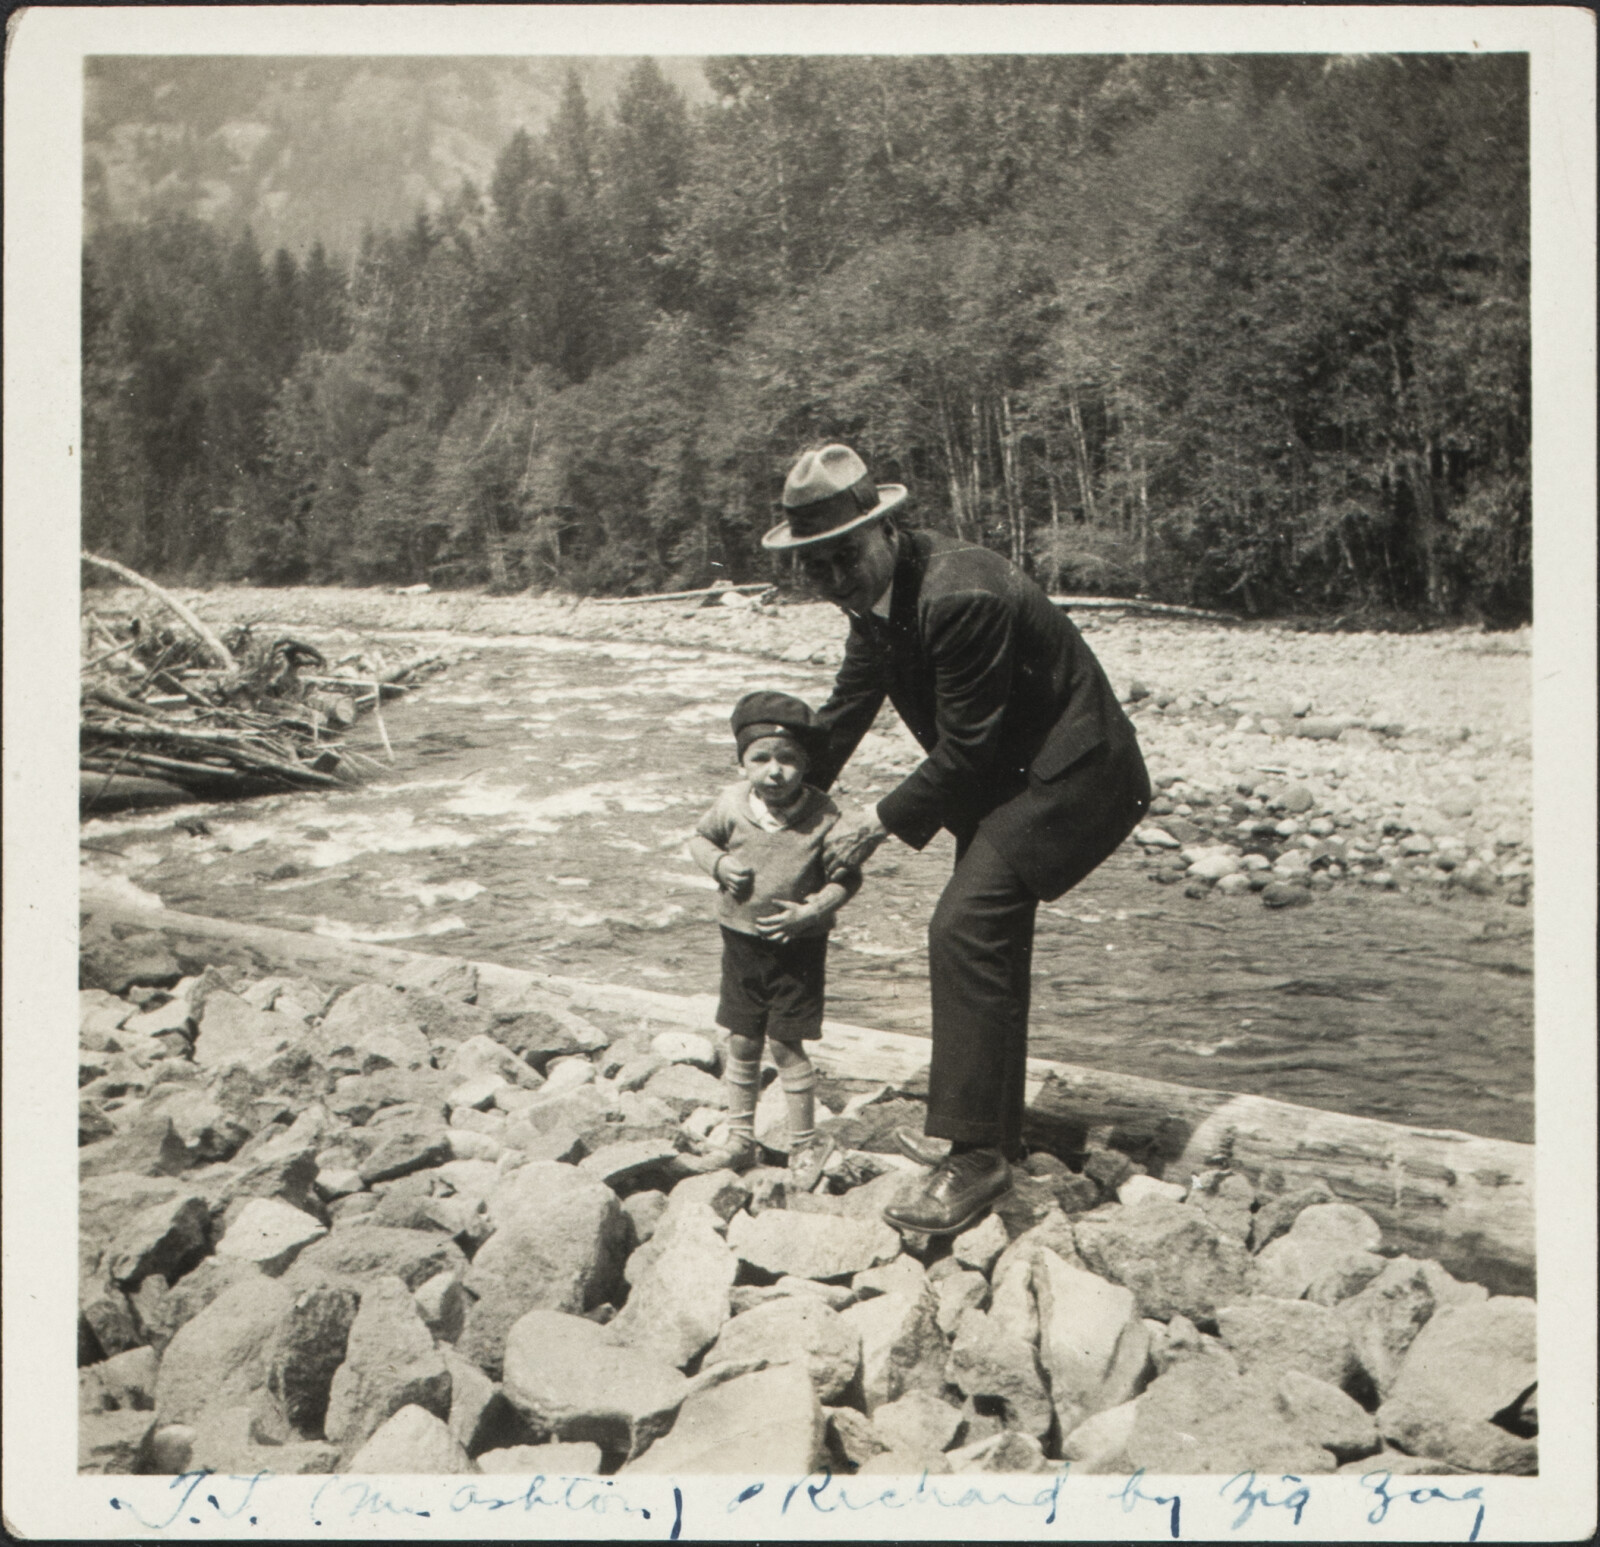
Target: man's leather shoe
[(925, 1151), (960, 1189)]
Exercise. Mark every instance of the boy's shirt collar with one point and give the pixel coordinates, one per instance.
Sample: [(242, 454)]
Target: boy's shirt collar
[(769, 820), (880, 608)]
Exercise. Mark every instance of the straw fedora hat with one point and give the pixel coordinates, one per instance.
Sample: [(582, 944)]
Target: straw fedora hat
[(828, 493)]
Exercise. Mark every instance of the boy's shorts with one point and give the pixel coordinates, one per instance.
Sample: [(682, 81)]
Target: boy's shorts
[(772, 987)]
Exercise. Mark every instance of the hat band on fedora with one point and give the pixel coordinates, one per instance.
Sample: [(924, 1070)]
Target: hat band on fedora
[(819, 516)]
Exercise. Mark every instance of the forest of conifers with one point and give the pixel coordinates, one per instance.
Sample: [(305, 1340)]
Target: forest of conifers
[(1247, 331)]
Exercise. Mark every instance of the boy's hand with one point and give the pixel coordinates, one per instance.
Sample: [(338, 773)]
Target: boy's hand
[(792, 920), (735, 877), (851, 841)]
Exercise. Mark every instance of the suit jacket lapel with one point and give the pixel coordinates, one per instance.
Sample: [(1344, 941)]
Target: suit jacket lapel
[(909, 686)]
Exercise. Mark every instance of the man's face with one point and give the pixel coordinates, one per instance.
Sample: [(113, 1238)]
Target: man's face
[(852, 571)]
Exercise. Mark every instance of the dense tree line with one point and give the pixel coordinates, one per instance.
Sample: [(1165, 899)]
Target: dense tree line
[(1249, 331)]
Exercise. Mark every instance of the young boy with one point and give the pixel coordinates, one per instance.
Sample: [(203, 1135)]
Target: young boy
[(762, 843)]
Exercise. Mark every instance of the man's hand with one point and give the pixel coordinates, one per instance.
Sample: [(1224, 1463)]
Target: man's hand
[(791, 921), (851, 840), (735, 877)]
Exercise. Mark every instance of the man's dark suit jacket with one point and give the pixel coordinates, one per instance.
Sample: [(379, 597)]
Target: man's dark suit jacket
[(1026, 742)]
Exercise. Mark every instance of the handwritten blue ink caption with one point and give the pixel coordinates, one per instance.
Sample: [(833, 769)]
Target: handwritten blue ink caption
[(1244, 1492), (199, 1497), (1377, 1483), (824, 1494)]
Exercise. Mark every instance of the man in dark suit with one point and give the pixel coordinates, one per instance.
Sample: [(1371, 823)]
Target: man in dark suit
[(1031, 764)]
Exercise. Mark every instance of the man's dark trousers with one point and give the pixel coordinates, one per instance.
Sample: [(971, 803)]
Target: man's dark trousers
[(980, 959)]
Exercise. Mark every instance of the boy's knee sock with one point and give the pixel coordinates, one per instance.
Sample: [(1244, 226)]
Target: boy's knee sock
[(742, 1078), (799, 1094)]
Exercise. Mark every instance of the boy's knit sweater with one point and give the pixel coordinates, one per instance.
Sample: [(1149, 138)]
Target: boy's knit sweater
[(787, 862)]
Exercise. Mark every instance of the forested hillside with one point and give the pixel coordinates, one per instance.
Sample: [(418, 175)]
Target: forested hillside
[(1244, 331)]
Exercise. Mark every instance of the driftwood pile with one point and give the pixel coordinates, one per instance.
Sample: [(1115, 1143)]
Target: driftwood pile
[(170, 713)]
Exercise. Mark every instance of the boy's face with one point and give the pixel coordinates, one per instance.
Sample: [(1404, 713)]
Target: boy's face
[(774, 767)]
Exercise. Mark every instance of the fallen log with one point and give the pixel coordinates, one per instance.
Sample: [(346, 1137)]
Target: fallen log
[(679, 596), (1464, 1200), (108, 790), (1138, 604), (219, 652)]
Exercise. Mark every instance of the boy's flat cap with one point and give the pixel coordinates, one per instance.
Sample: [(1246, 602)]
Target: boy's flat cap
[(768, 712)]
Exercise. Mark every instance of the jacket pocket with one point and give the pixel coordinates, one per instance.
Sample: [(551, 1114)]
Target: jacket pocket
[(1068, 741)]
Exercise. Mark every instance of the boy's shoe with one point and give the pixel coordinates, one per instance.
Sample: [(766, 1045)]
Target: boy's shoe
[(806, 1163), (738, 1154), (956, 1194)]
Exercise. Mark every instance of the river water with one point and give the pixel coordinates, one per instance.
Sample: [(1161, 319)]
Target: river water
[(537, 811)]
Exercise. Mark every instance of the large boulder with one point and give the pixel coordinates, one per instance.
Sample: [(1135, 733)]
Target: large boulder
[(162, 1312), (113, 1442), (227, 1442), (99, 1015), (1278, 1213), (852, 1438), (558, 1459), (918, 1424), (1325, 1415), (685, 1088), (766, 1422), (1386, 1316), (1289, 1335), (1179, 1339), (1099, 1445), (406, 1147), (140, 957), (1468, 1364), (363, 1251), (371, 1027), (679, 1283), (1053, 1231), (793, 1328), (1091, 1340), (219, 1358), (960, 1292), (413, 1442), (307, 1347), (232, 1032), (629, 1160), (1200, 1417), (269, 1232), (905, 1275), (1008, 1452), (989, 1360), (208, 1131), (107, 1321), (820, 1246), (902, 1348), (558, 1247), (724, 1192), (1326, 1241), (567, 1380), (390, 1362), (481, 1057), (979, 1247), (1228, 1198), (149, 1146), (1170, 1255), (480, 1416), (167, 1238)]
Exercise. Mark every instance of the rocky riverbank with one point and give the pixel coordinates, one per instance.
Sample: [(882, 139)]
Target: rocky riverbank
[(1286, 762), (427, 1226)]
